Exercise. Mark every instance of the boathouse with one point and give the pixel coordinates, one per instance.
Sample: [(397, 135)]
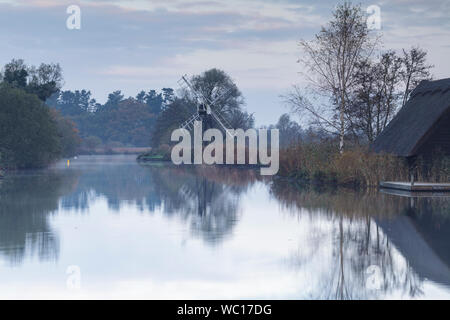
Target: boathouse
[(422, 126), (420, 129)]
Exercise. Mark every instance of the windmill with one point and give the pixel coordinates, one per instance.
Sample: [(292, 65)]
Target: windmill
[(205, 108)]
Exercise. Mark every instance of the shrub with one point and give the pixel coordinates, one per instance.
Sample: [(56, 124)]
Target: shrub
[(321, 163), (29, 135)]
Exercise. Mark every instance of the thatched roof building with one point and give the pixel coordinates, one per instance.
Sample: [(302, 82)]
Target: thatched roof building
[(422, 125)]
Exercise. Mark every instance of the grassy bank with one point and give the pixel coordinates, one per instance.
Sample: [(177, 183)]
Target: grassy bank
[(113, 151), (162, 153), (321, 164)]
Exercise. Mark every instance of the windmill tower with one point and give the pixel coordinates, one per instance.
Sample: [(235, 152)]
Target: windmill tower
[(206, 110)]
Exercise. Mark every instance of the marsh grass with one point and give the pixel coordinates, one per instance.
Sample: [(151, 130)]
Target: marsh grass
[(320, 163)]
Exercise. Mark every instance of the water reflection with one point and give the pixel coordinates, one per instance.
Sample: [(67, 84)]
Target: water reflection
[(206, 198), (330, 244), (382, 245), (26, 202)]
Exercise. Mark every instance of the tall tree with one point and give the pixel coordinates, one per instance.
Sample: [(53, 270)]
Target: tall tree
[(240, 119), (168, 95), (330, 61), (155, 101), (68, 134), (375, 95), (213, 84), (140, 97), (170, 119), (28, 133), (42, 81), (290, 131), (114, 99), (16, 73), (415, 70), (45, 80)]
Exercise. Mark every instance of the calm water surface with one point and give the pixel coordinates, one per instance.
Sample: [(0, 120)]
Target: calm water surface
[(162, 232)]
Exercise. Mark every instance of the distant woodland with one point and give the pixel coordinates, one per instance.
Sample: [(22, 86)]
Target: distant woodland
[(354, 88), (120, 122), (41, 123)]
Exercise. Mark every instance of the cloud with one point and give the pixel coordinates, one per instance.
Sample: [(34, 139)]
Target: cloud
[(253, 66), (133, 44)]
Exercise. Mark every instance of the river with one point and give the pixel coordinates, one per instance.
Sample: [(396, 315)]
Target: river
[(108, 227)]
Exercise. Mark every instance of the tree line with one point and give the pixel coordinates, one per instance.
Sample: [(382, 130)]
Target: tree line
[(119, 122), (31, 134), (41, 123), (150, 117), (355, 87)]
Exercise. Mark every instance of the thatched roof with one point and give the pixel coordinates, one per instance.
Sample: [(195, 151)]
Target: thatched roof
[(405, 134)]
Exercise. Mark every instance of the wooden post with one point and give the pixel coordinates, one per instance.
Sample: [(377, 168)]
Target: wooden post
[(412, 170)]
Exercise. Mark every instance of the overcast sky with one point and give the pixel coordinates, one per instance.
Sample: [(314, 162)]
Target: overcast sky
[(141, 45)]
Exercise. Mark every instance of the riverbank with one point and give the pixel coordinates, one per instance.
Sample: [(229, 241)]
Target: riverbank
[(164, 155), (115, 151), (148, 157), (321, 164)]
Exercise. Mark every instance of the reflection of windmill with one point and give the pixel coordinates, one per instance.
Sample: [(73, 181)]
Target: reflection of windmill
[(204, 109)]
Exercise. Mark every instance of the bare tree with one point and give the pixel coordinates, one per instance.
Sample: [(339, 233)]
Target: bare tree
[(290, 131), (415, 70), (331, 60), (376, 95)]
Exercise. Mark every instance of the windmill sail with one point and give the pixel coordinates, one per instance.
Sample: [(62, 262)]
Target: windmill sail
[(202, 103), (188, 124), (185, 84), (218, 114), (221, 122)]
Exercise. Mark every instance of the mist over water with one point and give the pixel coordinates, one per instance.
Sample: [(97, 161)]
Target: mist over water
[(160, 231)]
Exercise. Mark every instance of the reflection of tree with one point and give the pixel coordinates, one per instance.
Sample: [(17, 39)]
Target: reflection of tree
[(364, 228), (206, 198), (117, 182), (359, 245), (26, 201)]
